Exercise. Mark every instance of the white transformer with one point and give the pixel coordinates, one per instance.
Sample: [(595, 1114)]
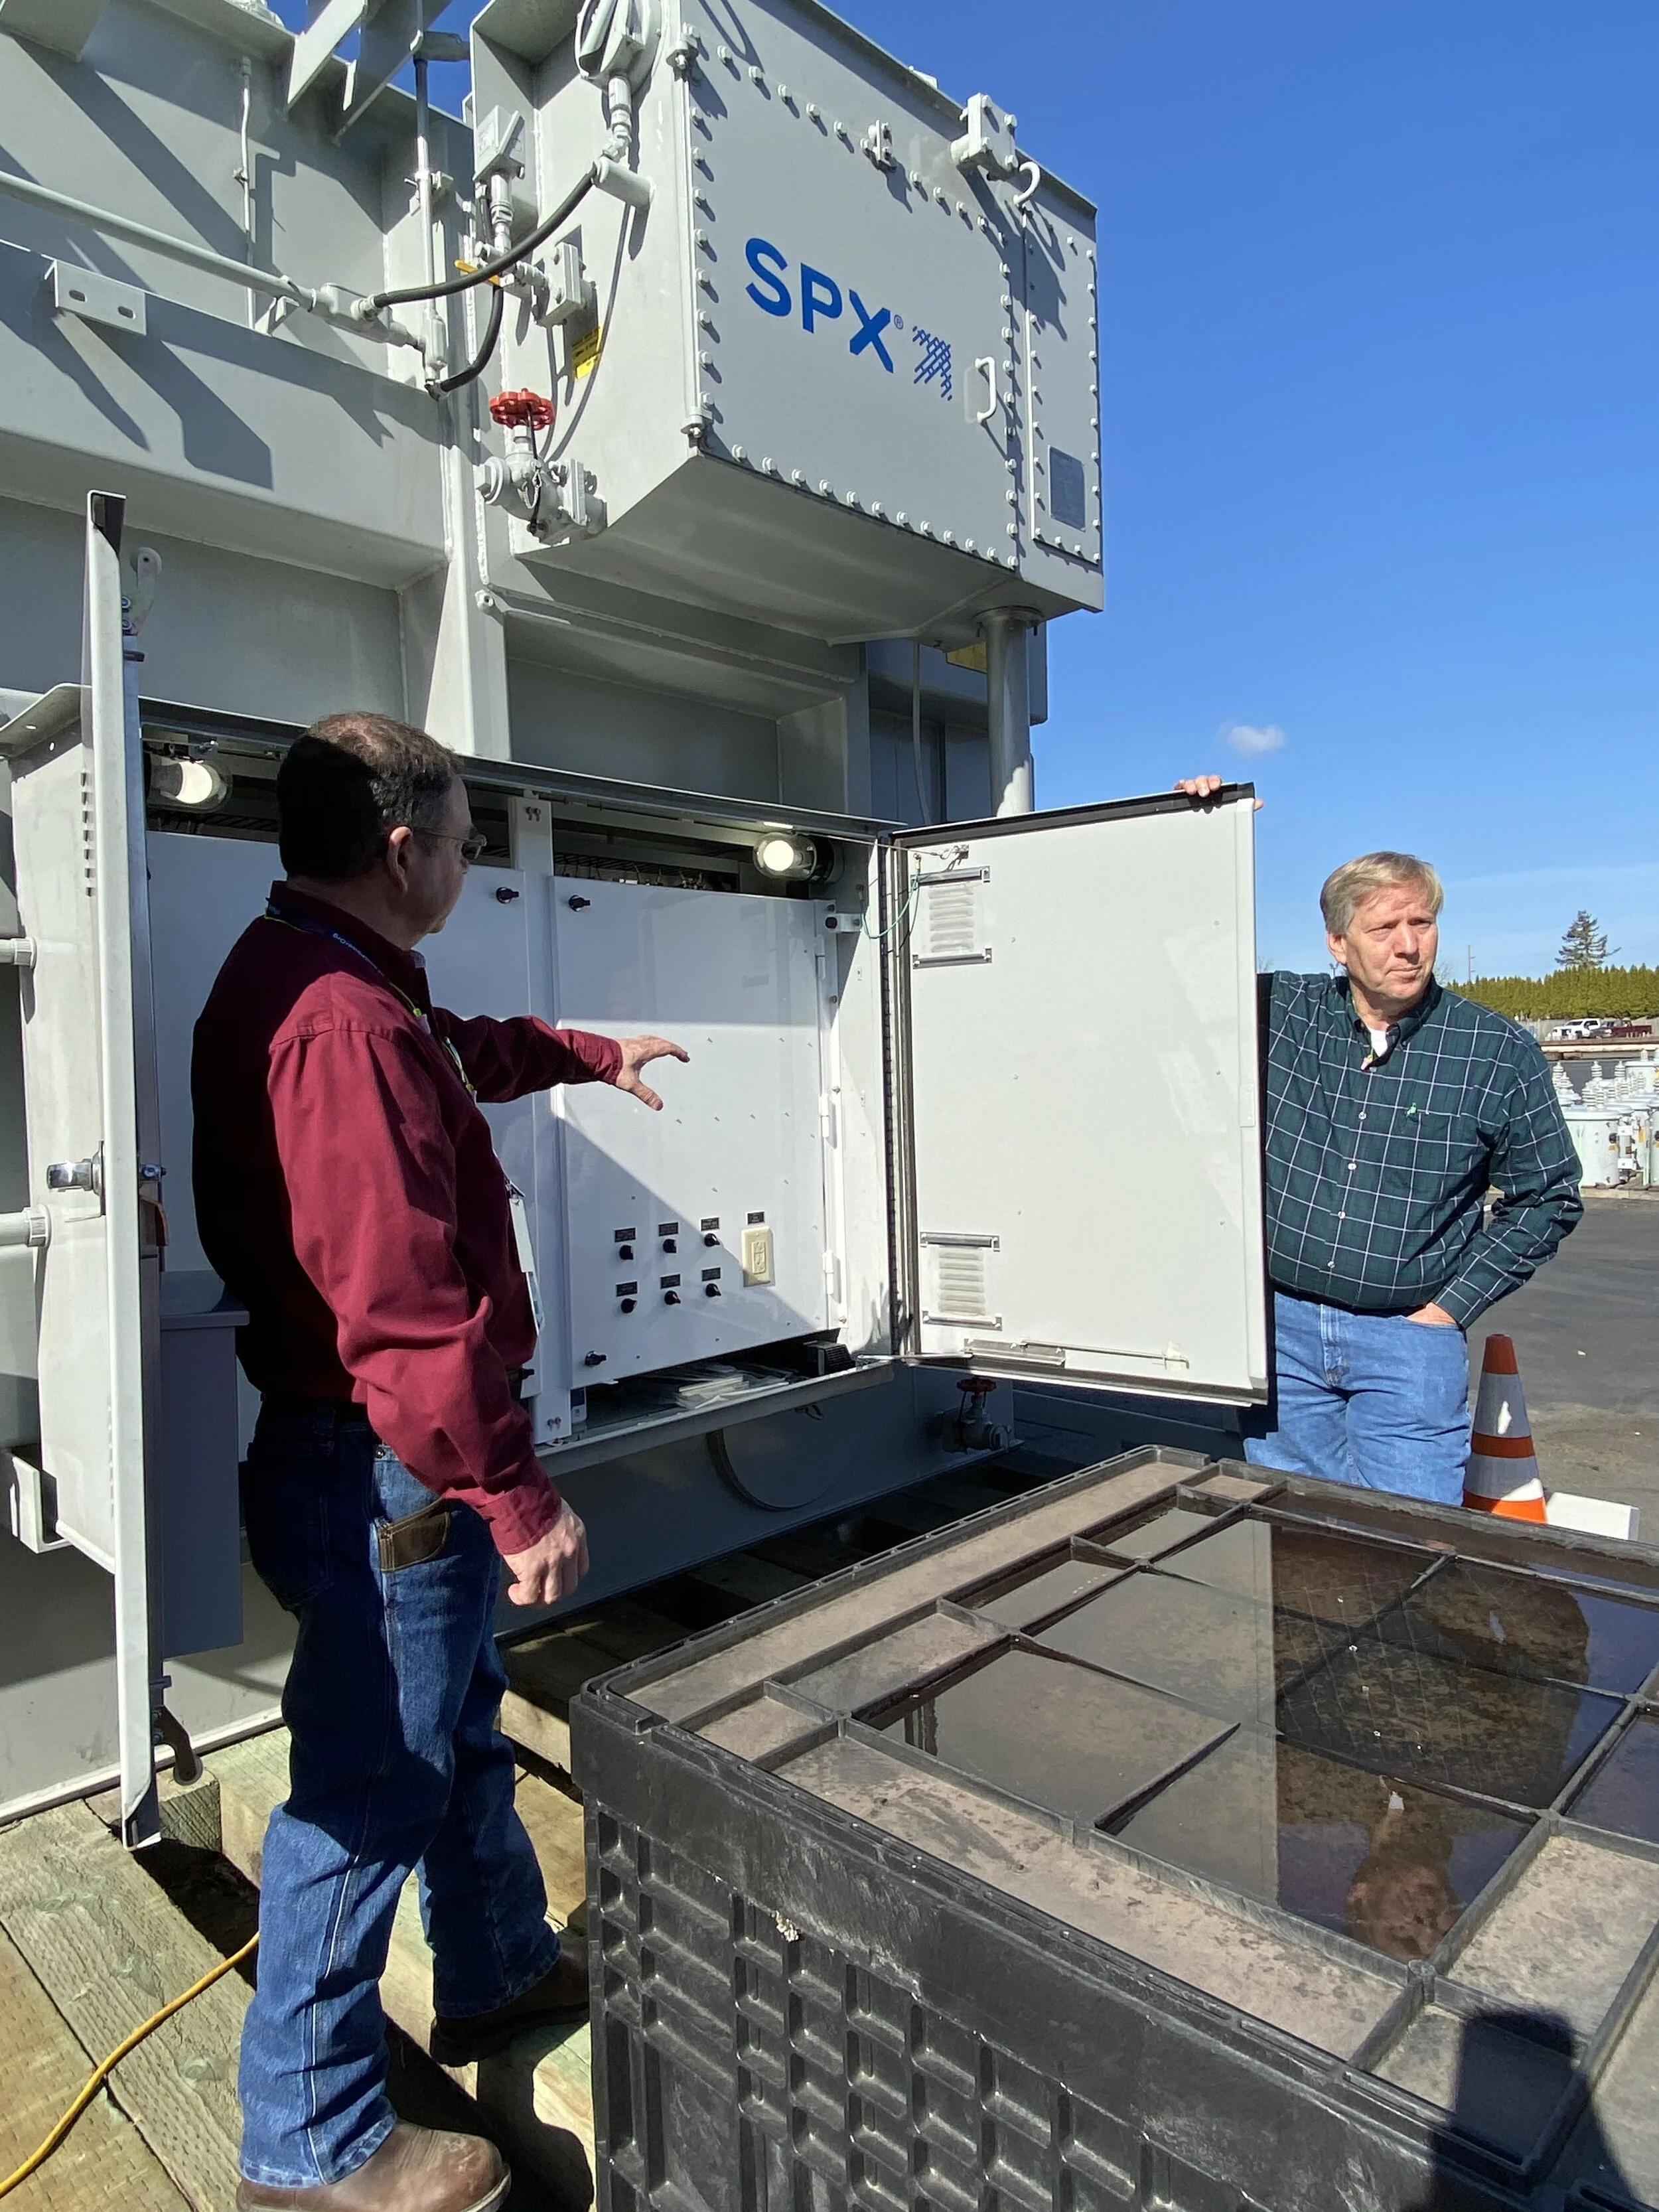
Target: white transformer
[(715, 524)]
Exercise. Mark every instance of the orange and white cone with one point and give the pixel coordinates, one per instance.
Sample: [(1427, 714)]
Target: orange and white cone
[(1502, 1475)]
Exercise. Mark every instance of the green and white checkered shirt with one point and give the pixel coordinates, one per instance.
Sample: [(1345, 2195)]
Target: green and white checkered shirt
[(1377, 1167)]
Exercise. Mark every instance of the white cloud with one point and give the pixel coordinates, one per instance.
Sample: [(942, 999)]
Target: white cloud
[(1248, 739)]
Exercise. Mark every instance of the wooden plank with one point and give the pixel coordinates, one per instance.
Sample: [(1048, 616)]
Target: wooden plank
[(551, 1669), (252, 1779), (109, 1949), (554, 1822), (546, 1671), (545, 1734), (106, 2161), (537, 2092)]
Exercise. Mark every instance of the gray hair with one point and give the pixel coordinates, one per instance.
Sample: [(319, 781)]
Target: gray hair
[(1355, 881)]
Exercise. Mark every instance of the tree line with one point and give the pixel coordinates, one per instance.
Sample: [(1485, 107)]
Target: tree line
[(1583, 982), (1570, 991)]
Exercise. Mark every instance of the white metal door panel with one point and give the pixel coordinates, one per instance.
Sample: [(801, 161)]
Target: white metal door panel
[(204, 892), (88, 1080), (479, 963), (1079, 993), (64, 1117), (736, 979), (491, 957)]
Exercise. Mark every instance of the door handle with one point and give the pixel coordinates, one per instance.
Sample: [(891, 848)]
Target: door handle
[(986, 365)]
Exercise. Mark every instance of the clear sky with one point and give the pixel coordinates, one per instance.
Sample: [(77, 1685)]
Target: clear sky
[(1380, 333)]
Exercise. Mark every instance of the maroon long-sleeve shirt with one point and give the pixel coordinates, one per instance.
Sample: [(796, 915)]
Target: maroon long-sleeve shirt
[(348, 1192)]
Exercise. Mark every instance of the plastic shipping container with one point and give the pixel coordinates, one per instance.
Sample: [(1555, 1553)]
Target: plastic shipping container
[(1168, 1837)]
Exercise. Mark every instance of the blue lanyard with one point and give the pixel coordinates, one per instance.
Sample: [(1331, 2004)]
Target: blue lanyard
[(322, 929)]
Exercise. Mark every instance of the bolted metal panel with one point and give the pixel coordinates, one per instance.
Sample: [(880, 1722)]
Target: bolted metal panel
[(1062, 417), (804, 391)]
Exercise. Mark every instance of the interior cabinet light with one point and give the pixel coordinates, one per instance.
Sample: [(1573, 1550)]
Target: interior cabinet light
[(187, 783), (779, 855)]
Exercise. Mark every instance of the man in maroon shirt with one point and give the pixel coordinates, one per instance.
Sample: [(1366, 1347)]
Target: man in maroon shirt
[(348, 1192)]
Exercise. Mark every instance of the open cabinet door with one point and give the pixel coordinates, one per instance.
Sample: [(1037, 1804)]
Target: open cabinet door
[(1076, 1093), (89, 1087)]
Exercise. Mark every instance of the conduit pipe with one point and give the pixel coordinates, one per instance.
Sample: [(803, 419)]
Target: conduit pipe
[(1007, 634), (332, 301)]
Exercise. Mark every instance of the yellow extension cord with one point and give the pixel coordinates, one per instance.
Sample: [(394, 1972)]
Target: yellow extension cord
[(100, 2074)]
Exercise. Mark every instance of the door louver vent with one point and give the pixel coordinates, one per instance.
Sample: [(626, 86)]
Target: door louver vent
[(961, 1282), (952, 930)]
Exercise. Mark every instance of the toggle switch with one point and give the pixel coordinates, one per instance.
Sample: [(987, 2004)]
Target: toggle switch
[(594, 1359), (671, 1298), (628, 1304), (711, 1240), (711, 1290)]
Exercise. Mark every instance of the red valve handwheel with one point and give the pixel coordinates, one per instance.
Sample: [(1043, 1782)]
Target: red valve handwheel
[(528, 409)]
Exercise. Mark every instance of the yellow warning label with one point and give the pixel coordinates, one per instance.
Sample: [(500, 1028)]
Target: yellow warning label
[(969, 656), (585, 352)]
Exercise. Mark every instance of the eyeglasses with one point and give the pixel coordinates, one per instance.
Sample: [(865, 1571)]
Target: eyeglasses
[(473, 846)]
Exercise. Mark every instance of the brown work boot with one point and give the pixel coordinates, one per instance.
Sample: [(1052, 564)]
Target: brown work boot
[(415, 2170), (559, 1998)]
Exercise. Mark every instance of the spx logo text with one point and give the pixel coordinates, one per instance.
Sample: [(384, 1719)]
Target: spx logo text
[(821, 300)]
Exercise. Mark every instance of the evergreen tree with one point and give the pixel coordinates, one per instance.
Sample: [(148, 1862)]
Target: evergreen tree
[(1584, 945)]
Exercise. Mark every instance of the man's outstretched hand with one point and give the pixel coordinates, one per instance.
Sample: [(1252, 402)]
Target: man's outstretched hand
[(636, 1052), (551, 1568)]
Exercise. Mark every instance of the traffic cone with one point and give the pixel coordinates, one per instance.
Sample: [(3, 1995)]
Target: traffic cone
[(1502, 1475)]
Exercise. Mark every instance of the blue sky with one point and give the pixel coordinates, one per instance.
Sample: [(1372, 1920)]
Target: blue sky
[(1379, 338)]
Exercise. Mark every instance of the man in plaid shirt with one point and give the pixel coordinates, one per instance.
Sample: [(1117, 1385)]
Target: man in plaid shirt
[(1393, 1106)]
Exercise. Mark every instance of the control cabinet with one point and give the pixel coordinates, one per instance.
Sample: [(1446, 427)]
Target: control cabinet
[(981, 1094)]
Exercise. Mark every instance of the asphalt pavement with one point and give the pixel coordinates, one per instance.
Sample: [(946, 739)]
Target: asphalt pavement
[(1583, 1329)]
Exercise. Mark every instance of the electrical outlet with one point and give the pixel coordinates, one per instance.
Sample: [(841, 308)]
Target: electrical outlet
[(757, 1254)]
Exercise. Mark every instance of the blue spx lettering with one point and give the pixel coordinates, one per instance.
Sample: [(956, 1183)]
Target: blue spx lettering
[(820, 300)]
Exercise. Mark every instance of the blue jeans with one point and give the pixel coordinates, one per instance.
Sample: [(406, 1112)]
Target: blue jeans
[(395, 1763), (1373, 1399)]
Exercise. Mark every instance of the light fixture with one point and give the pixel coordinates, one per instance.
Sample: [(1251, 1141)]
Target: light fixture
[(194, 783), (779, 854)]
